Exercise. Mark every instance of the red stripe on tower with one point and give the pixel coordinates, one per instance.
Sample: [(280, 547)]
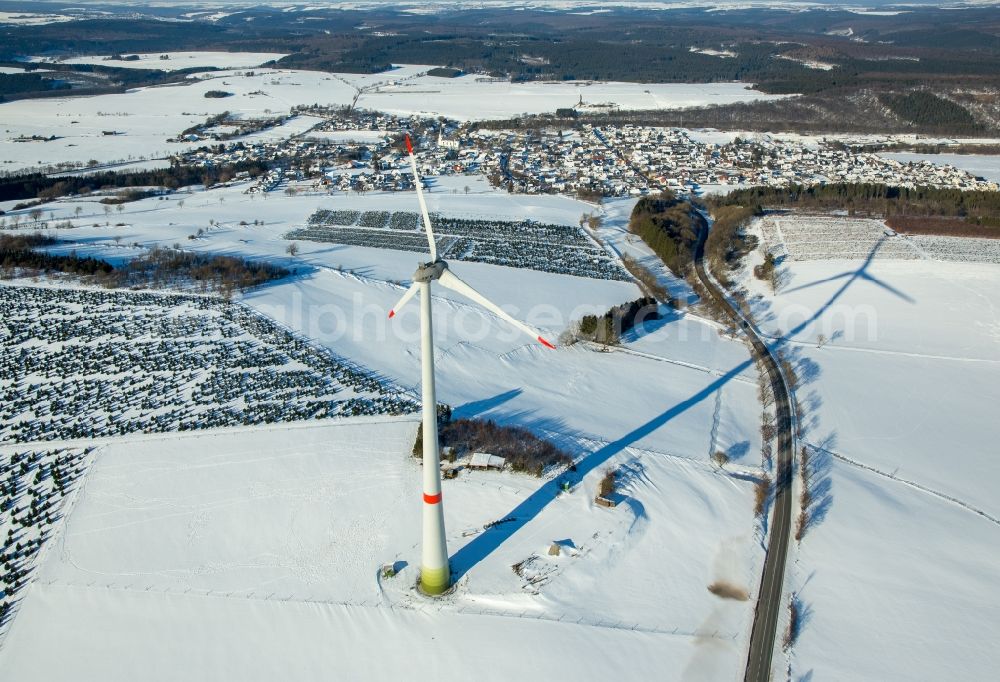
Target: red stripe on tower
[(432, 499)]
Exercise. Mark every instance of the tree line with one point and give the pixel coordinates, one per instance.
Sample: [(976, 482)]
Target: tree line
[(665, 223), (872, 199), (160, 267), (20, 251), (609, 327), (41, 186)]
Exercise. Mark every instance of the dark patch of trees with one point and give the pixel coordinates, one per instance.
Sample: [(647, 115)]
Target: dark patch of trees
[(19, 252), (930, 111), (30, 186), (971, 207), (165, 266), (443, 72), (666, 225), (609, 327), (217, 94), (160, 267), (129, 196), (727, 243), (523, 450), (17, 83)]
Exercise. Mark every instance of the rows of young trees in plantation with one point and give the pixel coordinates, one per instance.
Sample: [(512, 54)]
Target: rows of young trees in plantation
[(975, 208), (41, 186)]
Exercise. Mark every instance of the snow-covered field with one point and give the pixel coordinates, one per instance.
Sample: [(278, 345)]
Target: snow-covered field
[(276, 535), (176, 61), (145, 117), (257, 555), (898, 406), (470, 98), (982, 165)]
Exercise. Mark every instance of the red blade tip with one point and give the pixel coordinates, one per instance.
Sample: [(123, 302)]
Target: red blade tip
[(545, 343), (392, 314), (409, 145)]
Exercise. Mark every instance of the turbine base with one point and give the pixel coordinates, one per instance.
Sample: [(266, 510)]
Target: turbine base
[(435, 581)]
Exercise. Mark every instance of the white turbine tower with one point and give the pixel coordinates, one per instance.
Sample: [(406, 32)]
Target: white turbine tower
[(435, 576)]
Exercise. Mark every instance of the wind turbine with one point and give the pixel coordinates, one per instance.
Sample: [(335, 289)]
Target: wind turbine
[(435, 576)]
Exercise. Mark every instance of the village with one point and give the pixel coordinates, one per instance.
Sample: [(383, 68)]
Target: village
[(356, 151)]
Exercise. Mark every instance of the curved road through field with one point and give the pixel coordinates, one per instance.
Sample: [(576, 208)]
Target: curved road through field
[(769, 601)]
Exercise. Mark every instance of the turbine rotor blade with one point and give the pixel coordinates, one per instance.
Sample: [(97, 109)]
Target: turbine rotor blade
[(420, 198), (403, 301), (451, 281)]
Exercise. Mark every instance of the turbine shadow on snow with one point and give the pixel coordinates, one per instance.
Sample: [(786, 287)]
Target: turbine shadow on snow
[(477, 407), (484, 544), (860, 273)]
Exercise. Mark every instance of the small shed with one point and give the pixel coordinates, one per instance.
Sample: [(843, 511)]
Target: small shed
[(484, 460)]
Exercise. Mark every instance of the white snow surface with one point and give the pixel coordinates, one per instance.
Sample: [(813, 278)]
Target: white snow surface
[(980, 165), (257, 553), (145, 118), (176, 60), (220, 527), (899, 412)]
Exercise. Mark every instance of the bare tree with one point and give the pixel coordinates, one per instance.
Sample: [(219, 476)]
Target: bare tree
[(293, 249), (820, 340), (720, 458), (77, 211)]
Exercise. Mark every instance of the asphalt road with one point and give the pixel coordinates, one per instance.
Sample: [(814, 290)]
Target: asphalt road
[(769, 601)]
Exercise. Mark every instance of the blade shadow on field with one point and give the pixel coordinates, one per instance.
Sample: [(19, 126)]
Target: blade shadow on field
[(860, 273), (478, 407), (481, 546)]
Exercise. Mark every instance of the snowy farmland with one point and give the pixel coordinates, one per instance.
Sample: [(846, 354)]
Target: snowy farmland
[(257, 543), (898, 363), (144, 118), (982, 165), (274, 537), (175, 61)]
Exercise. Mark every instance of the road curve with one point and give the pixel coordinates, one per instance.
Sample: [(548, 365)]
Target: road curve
[(769, 601)]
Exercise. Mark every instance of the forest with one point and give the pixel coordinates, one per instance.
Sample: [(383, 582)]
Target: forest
[(158, 268), (18, 83), (665, 223), (951, 209), (19, 251), (41, 186), (930, 111)]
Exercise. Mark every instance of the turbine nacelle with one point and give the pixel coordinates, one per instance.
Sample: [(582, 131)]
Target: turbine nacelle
[(431, 271)]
